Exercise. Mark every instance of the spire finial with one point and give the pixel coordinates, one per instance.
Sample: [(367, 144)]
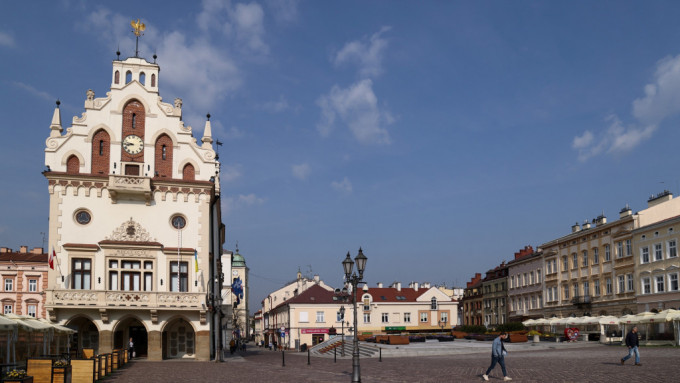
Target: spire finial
[(138, 27), (208, 116), (58, 103), (236, 247)]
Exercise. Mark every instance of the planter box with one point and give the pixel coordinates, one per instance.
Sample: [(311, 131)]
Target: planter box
[(61, 374), (517, 338), (28, 379)]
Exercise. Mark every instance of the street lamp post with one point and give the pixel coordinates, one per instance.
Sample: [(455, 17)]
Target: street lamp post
[(354, 279), (442, 324), (342, 319)]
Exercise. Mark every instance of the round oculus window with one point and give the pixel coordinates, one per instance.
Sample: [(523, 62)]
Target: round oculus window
[(178, 222), (83, 217)]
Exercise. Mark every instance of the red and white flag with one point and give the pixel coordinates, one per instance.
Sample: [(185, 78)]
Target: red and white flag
[(53, 255)]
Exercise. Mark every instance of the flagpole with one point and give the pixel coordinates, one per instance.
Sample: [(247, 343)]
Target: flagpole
[(179, 245)]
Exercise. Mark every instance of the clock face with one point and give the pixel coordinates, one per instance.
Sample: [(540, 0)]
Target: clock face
[(234, 273), (133, 144)]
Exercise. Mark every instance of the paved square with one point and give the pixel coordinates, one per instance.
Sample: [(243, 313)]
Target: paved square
[(568, 363)]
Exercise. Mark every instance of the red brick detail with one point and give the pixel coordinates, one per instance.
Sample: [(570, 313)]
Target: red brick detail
[(73, 165), (163, 156), (153, 80), (188, 173), (101, 152), (133, 110), (116, 78)]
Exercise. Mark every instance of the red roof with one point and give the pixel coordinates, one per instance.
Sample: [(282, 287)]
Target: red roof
[(313, 295), (390, 294), (23, 257)]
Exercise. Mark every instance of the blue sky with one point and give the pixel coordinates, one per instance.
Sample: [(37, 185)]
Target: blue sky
[(440, 136)]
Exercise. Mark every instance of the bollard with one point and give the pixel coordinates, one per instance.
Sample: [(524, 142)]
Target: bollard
[(381, 354), (283, 359), (335, 355), (308, 360)]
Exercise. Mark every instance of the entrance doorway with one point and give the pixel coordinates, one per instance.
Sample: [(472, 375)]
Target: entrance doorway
[(131, 328), (317, 338), (86, 337), (179, 340)]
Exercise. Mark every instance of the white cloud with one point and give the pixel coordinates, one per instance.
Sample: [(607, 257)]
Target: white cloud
[(284, 11), (301, 171), (35, 92), (276, 106), (229, 173), (367, 53), (6, 40), (249, 200), (658, 103), (233, 133), (248, 20), (344, 186), (357, 106)]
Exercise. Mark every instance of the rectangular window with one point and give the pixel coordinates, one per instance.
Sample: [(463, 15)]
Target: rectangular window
[(533, 302), (531, 277), (672, 249), (673, 282), (660, 284), (548, 267), (607, 253), (554, 262), (586, 288), (7, 309), (585, 258), (538, 276), (367, 307), (32, 285), (367, 318), (644, 255), (658, 252), (596, 285), (550, 295), (575, 285), (81, 271), (304, 316), (320, 317), (444, 317), (148, 276), (339, 317), (631, 283), (646, 286), (608, 285), (596, 256), (179, 276), (566, 291), (622, 284), (131, 280), (619, 249), (574, 261), (9, 284), (385, 318), (31, 310), (423, 317), (555, 293), (407, 317), (565, 264), (629, 248)]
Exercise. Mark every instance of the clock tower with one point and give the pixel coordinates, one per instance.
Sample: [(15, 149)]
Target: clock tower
[(135, 222)]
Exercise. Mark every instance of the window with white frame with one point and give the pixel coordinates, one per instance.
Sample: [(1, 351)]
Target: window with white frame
[(586, 288), (644, 254), (548, 267), (585, 258), (631, 283), (433, 303), (525, 280), (596, 256), (566, 291), (7, 308), (533, 302), (607, 253), (32, 285), (619, 249), (32, 310), (367, 318), (673, 282), (304, 317), (407, 317), (550, 295), (555, 293), (9, 284), (320, 317), (608, 286), (646, 286), (444, 317), (622, 284), (538, 276), (575, 286), (554, 262), (423, 317), (629, 248), (672, 249), (385, 318), (531, 277), (565, 263), (596, 285), (512, 282), (658, 252), (574, 261), (660, 284)]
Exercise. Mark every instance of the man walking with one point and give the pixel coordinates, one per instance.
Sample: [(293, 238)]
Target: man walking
[(498, 356), (633, 343)]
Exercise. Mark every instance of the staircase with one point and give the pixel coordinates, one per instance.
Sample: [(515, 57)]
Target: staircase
[(326, 349)]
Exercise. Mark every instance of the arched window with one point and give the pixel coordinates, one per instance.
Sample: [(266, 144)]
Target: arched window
[(163, 156), (116, 77), (153, 80), (73, 165), (433, 303), (188, 172), (142, 78), (101, 149), (134, 120), (128, 77)]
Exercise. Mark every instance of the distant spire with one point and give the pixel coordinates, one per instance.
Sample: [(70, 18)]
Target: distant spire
[(207, 134), (55, 126)]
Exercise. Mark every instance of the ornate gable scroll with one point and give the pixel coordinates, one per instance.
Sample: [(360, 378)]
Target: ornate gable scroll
[(131, 231)]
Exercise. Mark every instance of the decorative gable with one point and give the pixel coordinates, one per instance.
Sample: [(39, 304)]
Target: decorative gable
[(130, 231)]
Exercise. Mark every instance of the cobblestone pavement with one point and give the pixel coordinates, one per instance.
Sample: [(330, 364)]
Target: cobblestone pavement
[(572, 364)]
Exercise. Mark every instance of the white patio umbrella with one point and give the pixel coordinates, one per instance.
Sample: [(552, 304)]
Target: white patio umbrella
[(12, 329), (608, 319)]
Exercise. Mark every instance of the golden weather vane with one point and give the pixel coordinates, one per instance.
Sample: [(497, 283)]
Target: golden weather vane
[(138, 27)]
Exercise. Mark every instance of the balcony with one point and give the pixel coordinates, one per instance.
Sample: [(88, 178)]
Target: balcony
[(581, 300), (124, 299), (132, 187)]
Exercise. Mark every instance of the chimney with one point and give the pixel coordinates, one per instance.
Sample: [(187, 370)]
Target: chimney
[(23, 249), (575, 228), (5, 250), (659, 198), (601, 220), (586, 225), (426, 285), (398, 286), (380, 285), (37, 250), (316, 278), (415, 286), (625, 212)]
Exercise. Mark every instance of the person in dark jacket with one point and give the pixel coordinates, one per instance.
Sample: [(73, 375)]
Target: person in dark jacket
[(498, 353), (633, 343)]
